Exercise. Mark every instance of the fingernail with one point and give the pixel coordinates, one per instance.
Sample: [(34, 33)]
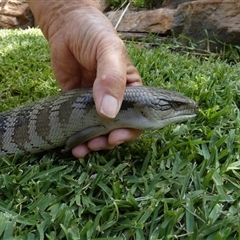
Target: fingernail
[(119, 143), (109, 106)]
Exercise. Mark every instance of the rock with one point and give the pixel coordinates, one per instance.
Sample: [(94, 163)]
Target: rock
[(209, 23), (153, 21), (15, 14), (214, 21), (173, 3)]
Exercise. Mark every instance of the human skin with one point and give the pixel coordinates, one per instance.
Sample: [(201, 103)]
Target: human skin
[(87, 52)]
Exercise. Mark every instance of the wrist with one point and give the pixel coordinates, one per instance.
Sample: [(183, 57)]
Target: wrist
[(51, 15)]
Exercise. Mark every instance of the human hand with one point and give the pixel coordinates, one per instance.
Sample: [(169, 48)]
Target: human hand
[(86, 51)]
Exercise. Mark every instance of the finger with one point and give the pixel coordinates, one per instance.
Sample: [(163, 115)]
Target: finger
[(95, 144), (66, 74), (99, 143), (115, 138), (106, 142), (118, 136), (80, 151), (66, 68), (133, 76)]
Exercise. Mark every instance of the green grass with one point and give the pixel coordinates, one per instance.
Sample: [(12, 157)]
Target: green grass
[(181, 182)]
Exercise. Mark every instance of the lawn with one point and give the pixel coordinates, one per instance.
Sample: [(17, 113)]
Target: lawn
[(180, 182)]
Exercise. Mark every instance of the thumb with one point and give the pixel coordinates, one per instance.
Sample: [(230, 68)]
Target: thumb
[(110, 83)]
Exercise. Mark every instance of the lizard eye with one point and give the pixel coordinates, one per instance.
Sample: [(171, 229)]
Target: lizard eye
[(177, 104)]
